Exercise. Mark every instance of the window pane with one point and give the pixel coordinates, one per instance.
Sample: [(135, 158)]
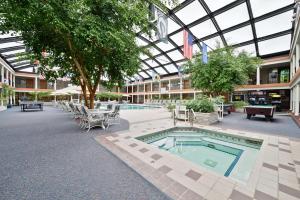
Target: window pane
[(275, 45), (14, 52), (144, 75), (165, 47), (275, 24), (203, 29), (161, 71), (216, 4), (195, 49), (260, 7), (144, 66), (172, 26), (153, 51), (171, 68), (239, 35), (213, 43), (178, 38), (143, 56), (163, 59), (248, 48), (11, 44), (152, 63), (233, 16), (140, 42), (191, 12), (175, 55)]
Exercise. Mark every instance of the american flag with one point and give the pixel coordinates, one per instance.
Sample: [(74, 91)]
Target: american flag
[(187, 45)]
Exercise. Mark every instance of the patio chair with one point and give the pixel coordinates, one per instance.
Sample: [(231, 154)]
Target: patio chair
[(98, 105), (92, 120), (114, 117), (109, 107), (181, 113)]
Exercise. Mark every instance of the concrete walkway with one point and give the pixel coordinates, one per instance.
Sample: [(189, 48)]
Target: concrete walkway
[(44, 155)]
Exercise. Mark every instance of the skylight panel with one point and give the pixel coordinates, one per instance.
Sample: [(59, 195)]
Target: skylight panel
[(248, 48), (203, 29), (161, 71), (233, 16), (14, 52), (172, 26), (274, 24), (175, 55), (144, 66), (217, 4), (260, 7), (143, 56), (195, 49), (163, 59), (140, 42), (165, 47), (171, 68), (153, 51), (275, 45), (152, 63), (213, 43), (191, 12), (143, 74), (178, 38), (239, 35), (11, 44)]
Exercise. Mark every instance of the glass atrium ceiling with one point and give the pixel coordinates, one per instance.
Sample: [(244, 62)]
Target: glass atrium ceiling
[(260, 27)]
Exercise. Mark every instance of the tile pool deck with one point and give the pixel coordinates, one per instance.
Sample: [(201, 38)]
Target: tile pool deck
[(275, 175)]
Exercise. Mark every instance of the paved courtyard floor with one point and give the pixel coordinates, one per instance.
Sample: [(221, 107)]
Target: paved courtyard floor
[(44, 155)]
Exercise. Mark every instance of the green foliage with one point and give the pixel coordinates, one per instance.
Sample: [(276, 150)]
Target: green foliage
[(6, 91), (104, 96), (85, 40), (171, 107), (239, 104), (39, 95), (225, 70), (202, 104)]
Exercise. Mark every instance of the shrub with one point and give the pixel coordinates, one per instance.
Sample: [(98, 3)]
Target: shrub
[(239, 104), (201, 105), (171, 107), (104, 96)]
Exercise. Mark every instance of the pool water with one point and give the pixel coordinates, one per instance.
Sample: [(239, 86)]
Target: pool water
[(134, 107), (227, 155)]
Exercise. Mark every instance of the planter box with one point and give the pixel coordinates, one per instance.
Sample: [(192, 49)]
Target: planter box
[(2, 108), (206, 118), (239, 110)]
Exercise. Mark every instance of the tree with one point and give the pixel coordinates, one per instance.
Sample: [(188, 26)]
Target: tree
[(225, 70), (85, 40)]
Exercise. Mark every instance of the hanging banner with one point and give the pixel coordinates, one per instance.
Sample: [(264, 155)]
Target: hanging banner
[(162, 27), (204, 53)]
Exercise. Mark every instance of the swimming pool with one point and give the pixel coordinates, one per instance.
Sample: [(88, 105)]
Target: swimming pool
[(223, 153), (134, 106)]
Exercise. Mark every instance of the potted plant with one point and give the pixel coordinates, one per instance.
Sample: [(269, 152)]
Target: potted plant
[(203, 108), (239, 106)]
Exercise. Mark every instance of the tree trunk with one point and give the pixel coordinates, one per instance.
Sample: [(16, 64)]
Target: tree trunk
[(92, 99)]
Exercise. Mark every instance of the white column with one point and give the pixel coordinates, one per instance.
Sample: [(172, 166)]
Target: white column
[(14, 81), (294, 63), (194, 95), (144, 92), (297, 56), (291, 99), (35, 83), (181, 87), (2, 74), (138, 90), (14, 99), (294, 97), (258, 75), (11, 79), (7, 77), (291, 69), (297, 99), (159, 88)]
